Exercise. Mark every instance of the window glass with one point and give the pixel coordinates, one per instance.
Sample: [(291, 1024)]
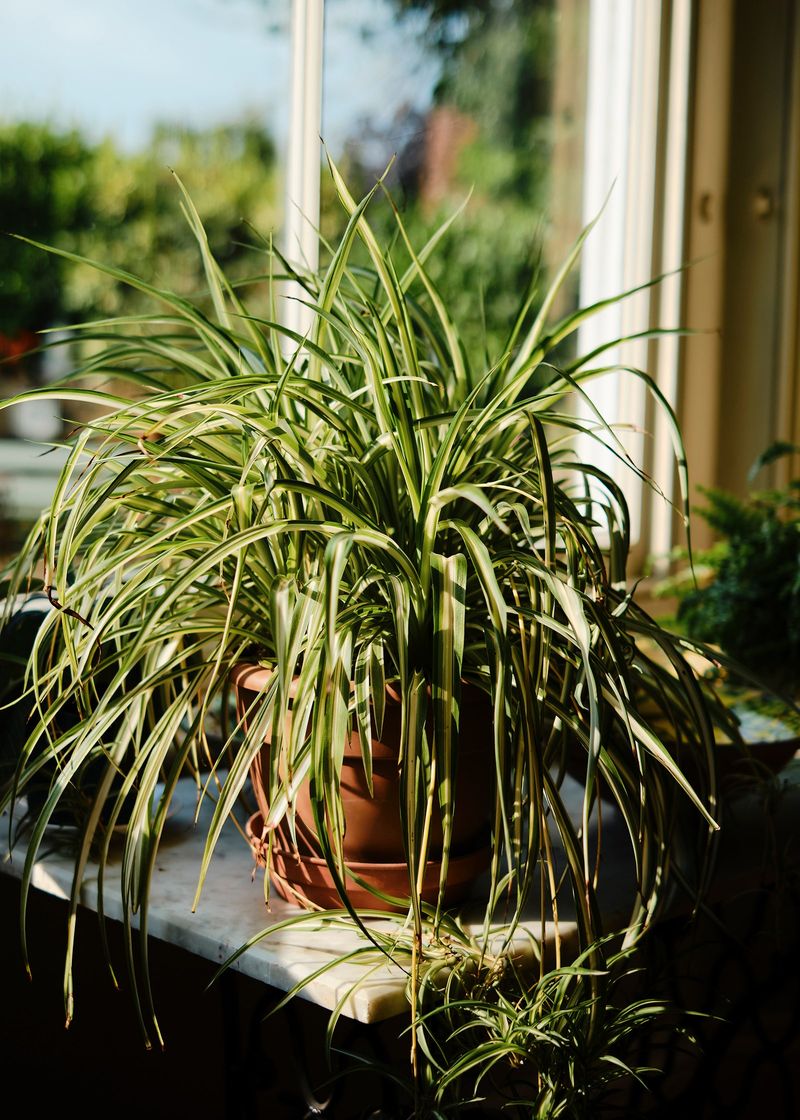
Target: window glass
[(102, 99), (477, 102)]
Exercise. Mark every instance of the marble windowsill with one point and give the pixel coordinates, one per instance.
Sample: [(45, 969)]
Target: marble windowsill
[(232, 908)]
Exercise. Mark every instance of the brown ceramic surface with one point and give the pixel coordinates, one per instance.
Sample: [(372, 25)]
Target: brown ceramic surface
[(305, 877)]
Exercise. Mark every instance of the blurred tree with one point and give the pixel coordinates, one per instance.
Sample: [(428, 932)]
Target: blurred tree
[(230, 174), (123, 209), (45, 194)]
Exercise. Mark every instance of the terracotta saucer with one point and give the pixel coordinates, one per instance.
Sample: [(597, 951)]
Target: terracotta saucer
[(301, 878)]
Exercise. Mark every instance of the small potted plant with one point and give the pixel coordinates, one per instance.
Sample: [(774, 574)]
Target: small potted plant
[(749, 600), (742, 602), (371, 518)]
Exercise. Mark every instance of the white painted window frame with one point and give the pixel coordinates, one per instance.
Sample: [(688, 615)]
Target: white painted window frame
[(303, 162), (635, 166)]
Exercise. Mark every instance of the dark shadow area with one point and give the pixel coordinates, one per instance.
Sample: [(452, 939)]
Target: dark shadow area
[(221, 1058)]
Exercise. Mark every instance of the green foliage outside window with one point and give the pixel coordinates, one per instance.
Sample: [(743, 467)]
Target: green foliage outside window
[(45, 191), (140, 225), (497, 71), (95, 199)]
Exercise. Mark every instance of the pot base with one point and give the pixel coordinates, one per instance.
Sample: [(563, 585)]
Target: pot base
[(304, 879)]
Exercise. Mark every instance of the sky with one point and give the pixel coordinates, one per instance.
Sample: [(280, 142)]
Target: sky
[(119, 66)]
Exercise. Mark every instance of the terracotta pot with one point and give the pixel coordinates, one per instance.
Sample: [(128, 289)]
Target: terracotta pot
[(373, 841)]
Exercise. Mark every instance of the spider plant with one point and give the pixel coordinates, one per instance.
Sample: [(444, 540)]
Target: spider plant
[(540, 1047), (367, 504), (496, 1029)]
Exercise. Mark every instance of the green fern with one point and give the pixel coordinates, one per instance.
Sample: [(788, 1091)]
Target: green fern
[(751, 608)]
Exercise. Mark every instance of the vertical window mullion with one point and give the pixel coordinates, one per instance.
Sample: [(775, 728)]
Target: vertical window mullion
[(625, 120), (301, 221)]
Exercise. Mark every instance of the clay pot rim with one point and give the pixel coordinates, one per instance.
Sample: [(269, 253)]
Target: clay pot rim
[(255, 678)]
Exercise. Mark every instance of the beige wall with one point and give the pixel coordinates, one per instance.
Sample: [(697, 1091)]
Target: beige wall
[(739, 377)]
